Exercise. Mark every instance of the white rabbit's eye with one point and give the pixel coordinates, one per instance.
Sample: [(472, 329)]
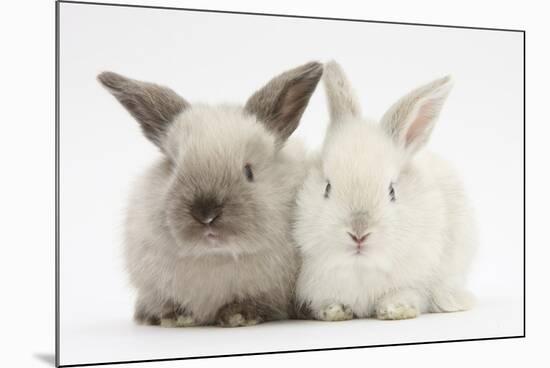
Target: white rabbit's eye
[(248, 172), (392, 193), (327, 190)]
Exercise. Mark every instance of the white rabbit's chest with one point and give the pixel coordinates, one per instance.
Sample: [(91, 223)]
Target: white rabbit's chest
[(349, 283)]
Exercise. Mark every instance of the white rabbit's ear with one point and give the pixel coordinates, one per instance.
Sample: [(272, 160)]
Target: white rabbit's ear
[(411, 120), (153, 106), (279, 105), (341, 97)]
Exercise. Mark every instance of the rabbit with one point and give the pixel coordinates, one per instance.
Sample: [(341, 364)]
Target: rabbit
[(207, 231), (384, 228)]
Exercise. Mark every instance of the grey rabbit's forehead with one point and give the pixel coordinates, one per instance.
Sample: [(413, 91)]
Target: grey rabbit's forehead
[(220, 133)]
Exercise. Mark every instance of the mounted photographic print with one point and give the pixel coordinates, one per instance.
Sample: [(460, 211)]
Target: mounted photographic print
[(235, 183)]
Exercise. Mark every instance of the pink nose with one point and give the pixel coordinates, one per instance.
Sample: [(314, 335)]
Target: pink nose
[(358, 240)]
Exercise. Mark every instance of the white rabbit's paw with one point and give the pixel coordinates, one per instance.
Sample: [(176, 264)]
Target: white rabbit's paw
[(393, 311), (335, 312)]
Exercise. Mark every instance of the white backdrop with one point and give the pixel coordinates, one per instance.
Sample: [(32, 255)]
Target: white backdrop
[(223, 58), (27, 185), (216, 58)]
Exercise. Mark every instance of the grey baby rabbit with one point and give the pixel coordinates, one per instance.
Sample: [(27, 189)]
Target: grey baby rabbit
[(207, 237)]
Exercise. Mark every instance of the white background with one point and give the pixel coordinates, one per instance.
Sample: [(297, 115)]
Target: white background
[(220, 57), (31, 157)]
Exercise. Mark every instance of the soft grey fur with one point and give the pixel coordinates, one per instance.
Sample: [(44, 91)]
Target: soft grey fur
[(205, 243), (152, 105), (282, 104)]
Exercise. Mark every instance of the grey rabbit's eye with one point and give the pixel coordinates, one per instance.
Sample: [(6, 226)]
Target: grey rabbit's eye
[(327, 189), (248, 172), (392, 192)]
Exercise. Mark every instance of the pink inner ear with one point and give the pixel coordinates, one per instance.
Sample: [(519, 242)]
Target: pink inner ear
[(421, 123)]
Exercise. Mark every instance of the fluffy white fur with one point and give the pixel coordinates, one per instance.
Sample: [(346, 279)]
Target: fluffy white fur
[(418, 248)]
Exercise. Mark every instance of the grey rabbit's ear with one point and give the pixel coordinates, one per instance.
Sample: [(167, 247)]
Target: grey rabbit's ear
[(279, 105), (153, 106)]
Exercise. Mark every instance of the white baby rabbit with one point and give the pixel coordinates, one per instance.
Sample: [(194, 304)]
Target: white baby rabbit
[(208, 233), (383, 227)]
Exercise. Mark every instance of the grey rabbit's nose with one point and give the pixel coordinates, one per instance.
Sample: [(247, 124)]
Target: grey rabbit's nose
[(206, 210)]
